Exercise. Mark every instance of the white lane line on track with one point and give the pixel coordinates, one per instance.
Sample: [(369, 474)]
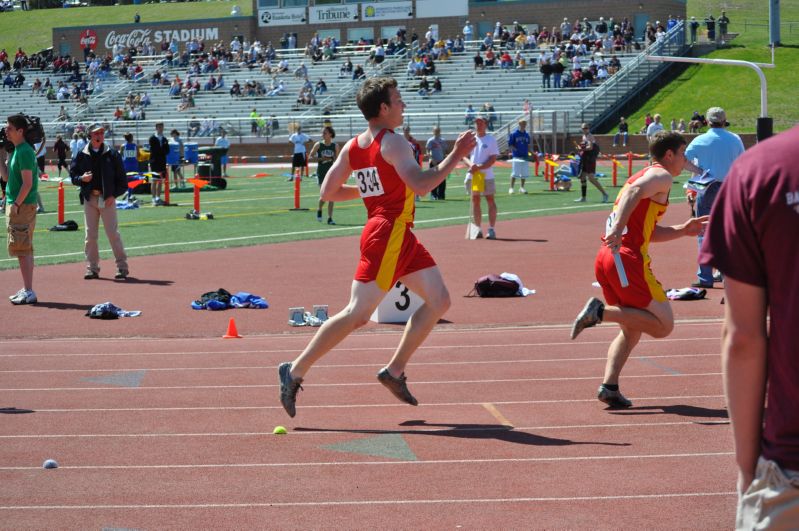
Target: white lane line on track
[(465, 329), (415, 431), (353, 365), (473, 345), (461, 501), (400, 463), (357, 384), (355, 406)]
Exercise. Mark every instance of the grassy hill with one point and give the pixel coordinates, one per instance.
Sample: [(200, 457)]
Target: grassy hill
[(737, 89)]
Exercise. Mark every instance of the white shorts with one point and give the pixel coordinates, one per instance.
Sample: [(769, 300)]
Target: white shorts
[(520, 168)]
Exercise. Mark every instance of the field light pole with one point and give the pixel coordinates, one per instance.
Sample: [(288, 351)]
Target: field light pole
[(765, 125)]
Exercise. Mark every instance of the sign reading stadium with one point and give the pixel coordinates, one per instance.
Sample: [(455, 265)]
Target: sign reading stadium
[(329, 14), (281, 17), (387, 10), (139, 37)]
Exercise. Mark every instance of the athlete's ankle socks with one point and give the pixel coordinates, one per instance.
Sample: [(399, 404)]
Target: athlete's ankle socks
[(611, 387)]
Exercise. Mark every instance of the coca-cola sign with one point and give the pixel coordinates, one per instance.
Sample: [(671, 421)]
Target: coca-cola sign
[(88, 39), (140, 37)]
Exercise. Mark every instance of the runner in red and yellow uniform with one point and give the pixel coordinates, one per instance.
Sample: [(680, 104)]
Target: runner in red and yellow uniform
[(642, 306), (387, 179)]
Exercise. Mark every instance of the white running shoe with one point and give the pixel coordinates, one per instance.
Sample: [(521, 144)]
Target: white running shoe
[(25, 297), (522, 190), (510, 190)]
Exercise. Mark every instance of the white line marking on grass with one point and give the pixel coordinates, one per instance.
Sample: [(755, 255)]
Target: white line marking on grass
[(410, 431), (348, 384), (295, 233), (341, 464), (346, 365)]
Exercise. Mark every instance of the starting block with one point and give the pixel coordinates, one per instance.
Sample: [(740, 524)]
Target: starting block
[(297, 316), (397, 306), (320, 312)]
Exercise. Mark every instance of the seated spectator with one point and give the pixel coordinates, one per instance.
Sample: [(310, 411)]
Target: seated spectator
[(478, 61), (490, 58), (36, 88), (505, 61), (210, 85), (19, 80), (437, 85), (193, 127), (8, 81), (469, 115), (321, 87), (424, 87), (358, 73), (602, 74), (277, 90), (301, 71), (235, 89), (283, 65), (623, 133), (327, 53), (346, 69), (50, 93), (186, 102)]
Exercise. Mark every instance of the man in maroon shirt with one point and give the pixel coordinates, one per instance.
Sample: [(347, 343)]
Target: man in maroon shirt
[(753, 239)]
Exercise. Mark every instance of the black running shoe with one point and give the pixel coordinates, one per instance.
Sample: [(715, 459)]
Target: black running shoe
[(397, 386), (288, 388), (614, 399), (588, 317)]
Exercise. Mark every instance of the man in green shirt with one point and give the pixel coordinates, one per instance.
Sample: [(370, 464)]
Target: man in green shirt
[(22, 175)]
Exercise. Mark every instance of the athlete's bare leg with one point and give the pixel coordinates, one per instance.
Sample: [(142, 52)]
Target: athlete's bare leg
[(656, 320), (618, 353), (429, 285), (492, 211), (364, 298), (595, 182), (476, 210)]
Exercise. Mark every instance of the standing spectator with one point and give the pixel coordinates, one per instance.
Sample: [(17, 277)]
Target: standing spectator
[(748, 240), (436, 148), (177, 169), (589, 152), (519, 144), (467, 31), (642, 306), (723, 22), (40, 148), (326, 151), (714, 151), (22, 176), (223, 142), (469, 115), (99, 173), (60, 147), (298, 163), (159, 147), (673, 124), (624, 127), (654, 128), (77, 143), (129, 152), (694, 26), (710, 24), (482, 160)]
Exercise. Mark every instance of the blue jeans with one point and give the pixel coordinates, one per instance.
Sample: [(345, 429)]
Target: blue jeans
[(704, 202)]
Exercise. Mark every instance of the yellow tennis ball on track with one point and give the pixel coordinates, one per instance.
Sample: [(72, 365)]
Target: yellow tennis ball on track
[(279, 430)]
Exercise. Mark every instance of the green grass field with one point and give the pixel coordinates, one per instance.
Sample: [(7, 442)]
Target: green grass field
[(736, 89), (257, 210)]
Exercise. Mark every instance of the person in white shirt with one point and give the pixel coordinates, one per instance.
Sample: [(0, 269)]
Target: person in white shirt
[(655, 127), (298, 163), (223, 142), (483, 157)]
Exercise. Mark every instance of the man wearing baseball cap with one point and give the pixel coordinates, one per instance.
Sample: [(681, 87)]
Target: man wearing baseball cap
[(712, 152), (99, 173), (483, 157)]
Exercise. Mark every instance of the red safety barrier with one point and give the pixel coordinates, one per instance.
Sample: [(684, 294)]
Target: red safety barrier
[(629, 164), (615, 169), (61, 203), (165, 177), (297, 180), (196, 197), (536, 165), (551, 178)]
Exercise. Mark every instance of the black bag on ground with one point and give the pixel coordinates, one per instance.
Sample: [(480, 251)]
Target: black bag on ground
[(496, 286), (221, 295)]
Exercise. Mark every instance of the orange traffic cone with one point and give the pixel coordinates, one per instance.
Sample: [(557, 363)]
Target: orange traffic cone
[(231, 333)]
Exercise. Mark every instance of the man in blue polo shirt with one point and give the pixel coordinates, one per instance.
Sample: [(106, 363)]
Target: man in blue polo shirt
[(519, 144), (714, 151)]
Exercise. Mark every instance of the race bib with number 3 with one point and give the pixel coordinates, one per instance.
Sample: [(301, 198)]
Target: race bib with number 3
[(368, 181)]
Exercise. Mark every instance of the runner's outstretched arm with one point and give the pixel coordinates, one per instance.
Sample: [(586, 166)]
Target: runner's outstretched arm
[(397, 152)]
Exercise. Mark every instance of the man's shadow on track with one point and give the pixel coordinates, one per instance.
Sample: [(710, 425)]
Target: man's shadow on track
[(134, 280), (64, 306), (498, 432), (680, 410)]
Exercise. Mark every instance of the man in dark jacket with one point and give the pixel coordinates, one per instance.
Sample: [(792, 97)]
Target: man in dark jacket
[(98, 171), (159, 147)]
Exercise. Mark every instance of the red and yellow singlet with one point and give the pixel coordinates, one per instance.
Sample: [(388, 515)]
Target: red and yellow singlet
[(634, 251), (389, 250)]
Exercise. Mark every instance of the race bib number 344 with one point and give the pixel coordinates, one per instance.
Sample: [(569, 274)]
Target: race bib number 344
[(368, 180)]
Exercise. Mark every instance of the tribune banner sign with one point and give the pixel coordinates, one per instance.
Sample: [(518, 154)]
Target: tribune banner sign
[(332, 13)]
